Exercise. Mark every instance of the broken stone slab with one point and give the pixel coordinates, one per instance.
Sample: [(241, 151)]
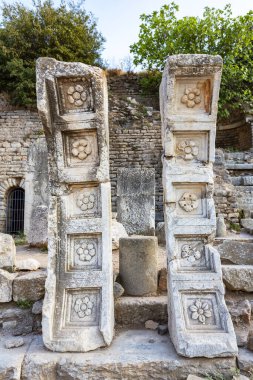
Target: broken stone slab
[(136, 200), (17, 321), (6, 281), (238, 277), (138, 265), (36, 193), (7, 252), (247, 224), (37, 307), (29, 286), (134, 354), (11, 360), (135, 311), (14, 343), (27, 264), (236, 252), (118, 231), (78, 305), (245, 361), (221, 229)]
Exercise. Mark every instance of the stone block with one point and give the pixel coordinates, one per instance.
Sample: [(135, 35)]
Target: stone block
[(248, 225), (27, 264), (134, 354), (136, 200), (221, 229), (6, 281), (160, 233), (138, 265), (36, 194), (245, 361), (236, 252), (247, 180), (72, 103), (7, 252), (29, 286), (188, 102), (238, 277), (240, 312)]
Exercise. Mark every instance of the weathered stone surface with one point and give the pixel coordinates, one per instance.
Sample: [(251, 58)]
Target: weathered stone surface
[(188, 101), (11, 360), (162, 329), (16, 320), (14, 343), (221, 229), (162, 279), (238, 277), (250, 339), (245, 360), (7, 252), (236, 252), (37, 307), (136, 200), (134, 354), (247, 180), (151, 325), (160, 233), (6, 280), (193, 377), (138, 265), (248, 225), (27, 264), (78, 304), (36, 194), (240, 312), (118, 290), (118, 231), (29, 286), (135, 311)]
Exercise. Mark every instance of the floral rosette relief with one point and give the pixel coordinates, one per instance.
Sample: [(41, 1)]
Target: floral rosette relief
[(188, 149), (81, 149), (189, 202), (83, 307), (191, 97), (200, 310), (190, 253)]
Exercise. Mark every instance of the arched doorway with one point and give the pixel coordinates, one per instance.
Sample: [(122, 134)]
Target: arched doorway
[(15, 211)]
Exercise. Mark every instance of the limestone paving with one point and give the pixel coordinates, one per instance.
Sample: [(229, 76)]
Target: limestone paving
[(199, 322), (78, 305)]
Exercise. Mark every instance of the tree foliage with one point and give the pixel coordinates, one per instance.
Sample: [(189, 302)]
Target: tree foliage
[(217, 32), (66, 33)]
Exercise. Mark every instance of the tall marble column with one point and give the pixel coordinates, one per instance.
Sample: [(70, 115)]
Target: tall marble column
[(199, 322), (78, 305)]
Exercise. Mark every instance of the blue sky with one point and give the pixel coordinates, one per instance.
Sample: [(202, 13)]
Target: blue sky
[(118, 20)]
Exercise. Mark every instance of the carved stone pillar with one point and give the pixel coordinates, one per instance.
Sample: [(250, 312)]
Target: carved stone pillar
[(78, 305), (199, 322)]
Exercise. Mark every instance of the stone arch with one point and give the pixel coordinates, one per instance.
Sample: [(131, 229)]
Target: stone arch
[(5, 187)]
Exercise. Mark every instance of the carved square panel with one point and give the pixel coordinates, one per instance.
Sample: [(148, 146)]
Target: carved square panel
[(191, 146), (192, 255), (84, 252), (84, 201), (81, 148), (75, 95), (201, 311), (191, 200), (81, 307), (193, 95)]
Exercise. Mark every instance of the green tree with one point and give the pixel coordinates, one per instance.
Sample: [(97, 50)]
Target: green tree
[(66, 33), (217, 32)]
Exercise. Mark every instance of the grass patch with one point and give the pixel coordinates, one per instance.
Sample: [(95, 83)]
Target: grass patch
[(24, 304), (20, 239)]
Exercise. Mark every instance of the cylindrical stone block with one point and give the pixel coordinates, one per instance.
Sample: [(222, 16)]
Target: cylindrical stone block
[(138, 264)]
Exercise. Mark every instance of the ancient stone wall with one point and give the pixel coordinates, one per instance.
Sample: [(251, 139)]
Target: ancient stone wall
[(236, 136), (18, 129)]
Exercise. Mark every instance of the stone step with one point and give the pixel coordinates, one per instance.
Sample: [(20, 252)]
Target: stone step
[(133, 354), (236, 252)]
